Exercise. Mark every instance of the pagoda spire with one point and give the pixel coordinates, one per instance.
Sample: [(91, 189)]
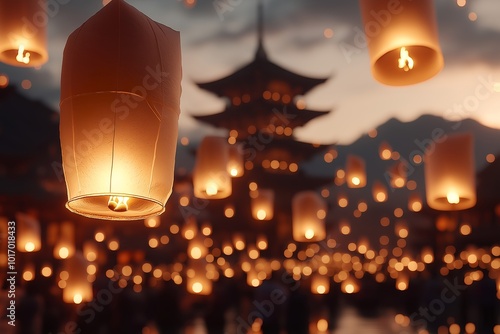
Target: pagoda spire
[(261, 53)]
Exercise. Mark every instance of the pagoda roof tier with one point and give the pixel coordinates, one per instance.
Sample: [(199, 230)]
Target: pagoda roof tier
[(260, 114), (285, 151), (259, 76)]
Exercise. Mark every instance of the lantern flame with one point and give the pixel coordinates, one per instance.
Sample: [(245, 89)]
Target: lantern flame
[(211, 189), (234, 171), (405, 61), (309, 234), (197, 287), (261, 214), (356, 181), (77, 298), (21, 56), (453, 197), (118, 203), (29, 247)]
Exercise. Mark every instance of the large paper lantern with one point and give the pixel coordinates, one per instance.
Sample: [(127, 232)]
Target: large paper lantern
[(262, 204), (211, 179), (120, 95), (308, 216), (402, 40), (23, 41), (78, 289), (355, 172), (28, 233), (450, 174)]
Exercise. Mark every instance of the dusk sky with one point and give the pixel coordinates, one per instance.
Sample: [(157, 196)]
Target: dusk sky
[(220, 36)]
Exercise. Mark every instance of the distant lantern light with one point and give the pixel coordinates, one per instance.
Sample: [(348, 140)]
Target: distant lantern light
[(78, 289), (210, 177), (262, 204), (385, 151), (397, 174), (379, 192), (120, 97), (404, 46), (235, 165), (450, 174), (23, 41), (415, 202), (152, 222), (65, 246), (355, 172), (197, 282), (306, 223), (28, 233), (320, 284)]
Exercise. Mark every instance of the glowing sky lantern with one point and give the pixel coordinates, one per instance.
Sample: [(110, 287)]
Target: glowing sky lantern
[(120, 96), (403, 40)]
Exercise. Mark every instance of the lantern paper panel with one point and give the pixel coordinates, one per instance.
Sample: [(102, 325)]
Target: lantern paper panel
[(210, 177), (120, 97), (450, 179), (262, 204), (403, 40), (23, 41), (308, 217), (28, 233)]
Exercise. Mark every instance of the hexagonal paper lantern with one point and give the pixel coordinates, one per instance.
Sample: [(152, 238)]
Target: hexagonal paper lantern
[(450, 177), (120, 96), (23, 41), (402, 39)]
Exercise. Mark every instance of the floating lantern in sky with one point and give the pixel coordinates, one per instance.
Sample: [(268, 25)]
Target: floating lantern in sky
[(262, 204), (379, 192), (28, 233), (450, 174), (308, 216), (23, 41), (65, 246), (402, 40), (78, 289), (235, 163), (211, 179), (120, 96), (355, 172), (320, 284)]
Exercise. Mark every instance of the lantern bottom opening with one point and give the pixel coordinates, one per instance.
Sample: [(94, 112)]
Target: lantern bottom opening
[(427, 62), (97, 206)]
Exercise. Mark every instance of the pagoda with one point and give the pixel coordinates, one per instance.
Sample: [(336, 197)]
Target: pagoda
[(265, 106)]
